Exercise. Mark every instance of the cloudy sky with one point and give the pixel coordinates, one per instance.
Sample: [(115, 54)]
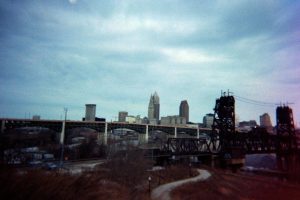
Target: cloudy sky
[(60, 53)]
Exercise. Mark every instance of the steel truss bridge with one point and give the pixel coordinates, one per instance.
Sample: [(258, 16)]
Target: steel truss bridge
[(227, 143), (257, 141), (222, 139)]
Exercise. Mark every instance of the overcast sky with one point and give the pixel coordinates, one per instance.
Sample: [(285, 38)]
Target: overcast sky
[(60, 53)]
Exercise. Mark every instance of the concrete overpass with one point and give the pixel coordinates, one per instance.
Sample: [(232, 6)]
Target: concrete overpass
[(61, 126)]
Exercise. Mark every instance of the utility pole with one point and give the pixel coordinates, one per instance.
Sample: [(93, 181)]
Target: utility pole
[(66, 112), (62, 138)]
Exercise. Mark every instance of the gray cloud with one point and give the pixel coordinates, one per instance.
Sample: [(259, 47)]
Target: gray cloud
[(56, 54)]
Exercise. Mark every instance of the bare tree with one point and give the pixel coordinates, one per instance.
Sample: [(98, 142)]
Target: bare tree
[(129, 166)]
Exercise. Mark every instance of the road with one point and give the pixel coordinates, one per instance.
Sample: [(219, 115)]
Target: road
[(78, 166), (163, 191)]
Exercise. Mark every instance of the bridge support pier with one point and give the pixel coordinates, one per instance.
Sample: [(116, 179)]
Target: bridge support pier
[(147, 134), (212, 161), (62, 133), (105, 134), (198, 133), (175, 132), (62, 142), (99, 137), (144, 138)]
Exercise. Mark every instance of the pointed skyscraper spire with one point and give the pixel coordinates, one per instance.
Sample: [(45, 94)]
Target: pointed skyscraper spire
[(153, 108)]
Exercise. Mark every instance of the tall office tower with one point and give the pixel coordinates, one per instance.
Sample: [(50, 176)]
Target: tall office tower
[(122, 116), (265, 120), (90, 112), (153, 108), (184, 110), (208, 120)]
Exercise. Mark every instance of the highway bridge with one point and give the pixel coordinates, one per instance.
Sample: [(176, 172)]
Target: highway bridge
[(62, 126), (222, 140)]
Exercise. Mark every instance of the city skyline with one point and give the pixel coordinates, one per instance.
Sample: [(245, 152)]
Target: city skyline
[(57, 54)]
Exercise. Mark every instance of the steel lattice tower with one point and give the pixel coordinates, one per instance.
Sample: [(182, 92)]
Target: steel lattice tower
[(224, 122), (286, 134)]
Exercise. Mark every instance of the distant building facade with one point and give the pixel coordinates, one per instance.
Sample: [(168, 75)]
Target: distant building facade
[(145, 120), (97, 119), (250, 123), (194, 125), (140, 120), (36, 117), (265, 121), (153, 108), (246, 126), (122, 116), (173, 120), (208, 120), (130, 119), (136, 119), (184, 110), (90, 112)]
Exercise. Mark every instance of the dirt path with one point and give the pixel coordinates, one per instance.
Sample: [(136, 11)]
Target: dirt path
[(163, 191)]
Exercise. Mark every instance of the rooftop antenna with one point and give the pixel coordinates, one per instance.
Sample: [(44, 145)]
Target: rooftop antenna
[(224, 93), (229, 92)]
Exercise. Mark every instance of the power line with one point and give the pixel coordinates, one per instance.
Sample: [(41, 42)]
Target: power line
[(254, 102)]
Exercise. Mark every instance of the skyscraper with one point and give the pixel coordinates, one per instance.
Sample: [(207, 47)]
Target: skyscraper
[(265, 120), (153, 108), (90, 112), (184, 110), (208, 120), (122, 116)]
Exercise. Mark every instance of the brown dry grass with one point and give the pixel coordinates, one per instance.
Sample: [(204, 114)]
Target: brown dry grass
[(101, 183), (236, 186), (37, 184)]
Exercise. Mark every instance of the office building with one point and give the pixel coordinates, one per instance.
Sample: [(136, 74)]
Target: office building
[(122, 116), (265, 122), (208, 120), (173, 120), (90, 112), (153, 108), (130, 119), (184, 110), (250, 123), (246, 126)]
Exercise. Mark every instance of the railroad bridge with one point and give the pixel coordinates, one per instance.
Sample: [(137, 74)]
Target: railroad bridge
[(222, 140), (230, 145)]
